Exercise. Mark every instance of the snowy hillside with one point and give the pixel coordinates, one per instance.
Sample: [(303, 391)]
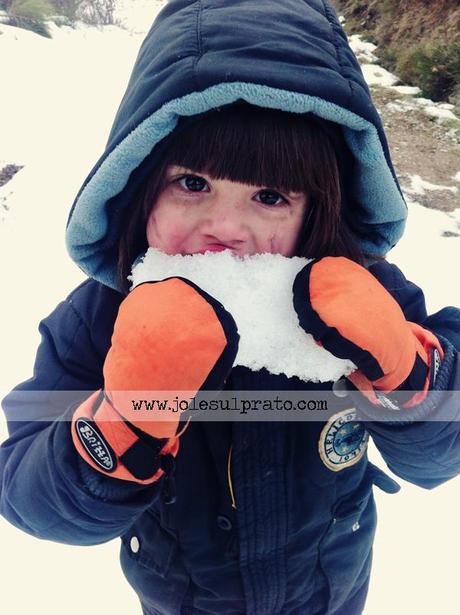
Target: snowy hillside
[(58, 100)]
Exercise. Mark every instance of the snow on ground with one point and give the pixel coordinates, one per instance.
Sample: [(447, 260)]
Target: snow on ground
[(138, 19), (377, 75), (58, 100), (429, 252), (406, 89), (441, 111), (59, 97), (363, 50), (420, 186)]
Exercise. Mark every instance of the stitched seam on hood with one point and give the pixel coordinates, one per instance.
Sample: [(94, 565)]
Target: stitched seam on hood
[(328, 13), (199, 12), (332, 32), (199, 43)]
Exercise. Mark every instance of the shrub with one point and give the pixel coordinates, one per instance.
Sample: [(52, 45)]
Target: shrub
[(8, 173), (30, 15), (93, 12), (96, 12), (67, 9), (434, 67)]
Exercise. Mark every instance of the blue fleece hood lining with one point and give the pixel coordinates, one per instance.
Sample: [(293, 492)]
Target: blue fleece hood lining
[(382, 209)]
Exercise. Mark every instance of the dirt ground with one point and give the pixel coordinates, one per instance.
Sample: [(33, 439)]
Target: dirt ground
[(421, 145)]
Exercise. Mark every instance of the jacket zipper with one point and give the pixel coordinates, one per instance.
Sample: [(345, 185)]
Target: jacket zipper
[(229, 476), (168, 487)]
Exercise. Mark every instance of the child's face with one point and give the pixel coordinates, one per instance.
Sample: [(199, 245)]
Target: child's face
[(195, 213)]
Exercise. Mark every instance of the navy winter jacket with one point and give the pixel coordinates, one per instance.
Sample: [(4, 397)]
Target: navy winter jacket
[(284, 535), (261, 524)]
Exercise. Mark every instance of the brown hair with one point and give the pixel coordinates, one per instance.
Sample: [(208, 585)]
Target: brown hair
[(257, 146)]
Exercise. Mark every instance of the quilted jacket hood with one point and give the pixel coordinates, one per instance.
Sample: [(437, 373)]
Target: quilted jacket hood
[(292, 56)]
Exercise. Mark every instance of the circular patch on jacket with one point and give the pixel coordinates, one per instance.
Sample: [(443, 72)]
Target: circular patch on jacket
[(343, 440)]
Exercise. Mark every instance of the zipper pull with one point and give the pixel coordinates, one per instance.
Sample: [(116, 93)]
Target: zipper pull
[(168, 487), (229, 477)]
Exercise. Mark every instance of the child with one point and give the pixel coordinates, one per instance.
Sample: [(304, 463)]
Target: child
[(246, 126)]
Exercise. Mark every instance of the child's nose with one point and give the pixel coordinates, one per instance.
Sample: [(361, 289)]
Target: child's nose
[(225, 220)]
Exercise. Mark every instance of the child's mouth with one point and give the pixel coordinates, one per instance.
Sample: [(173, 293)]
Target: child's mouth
[(213, 247)]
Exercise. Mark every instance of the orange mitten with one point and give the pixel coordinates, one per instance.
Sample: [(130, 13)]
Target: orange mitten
[(168, 336), (352, 315)]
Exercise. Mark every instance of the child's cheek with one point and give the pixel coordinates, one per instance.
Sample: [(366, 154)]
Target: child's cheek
[(160, 232), (282, 238), (280, 245), (153, 232)]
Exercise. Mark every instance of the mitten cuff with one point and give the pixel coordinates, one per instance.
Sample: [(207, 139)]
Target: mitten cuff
[(388, 411), (428, 360), (114, 447)]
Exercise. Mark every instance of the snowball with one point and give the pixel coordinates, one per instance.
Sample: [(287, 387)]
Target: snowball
[(257, 291)]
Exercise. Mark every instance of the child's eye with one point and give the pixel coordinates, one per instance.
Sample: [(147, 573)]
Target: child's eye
[(271, 197), (193, 183)]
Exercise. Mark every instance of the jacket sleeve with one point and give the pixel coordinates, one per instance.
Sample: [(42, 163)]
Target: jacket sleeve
[(47, 490), (421, 444)]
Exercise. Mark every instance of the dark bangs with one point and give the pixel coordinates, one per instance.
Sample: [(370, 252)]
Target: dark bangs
[(264, 147), (256, 146)]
